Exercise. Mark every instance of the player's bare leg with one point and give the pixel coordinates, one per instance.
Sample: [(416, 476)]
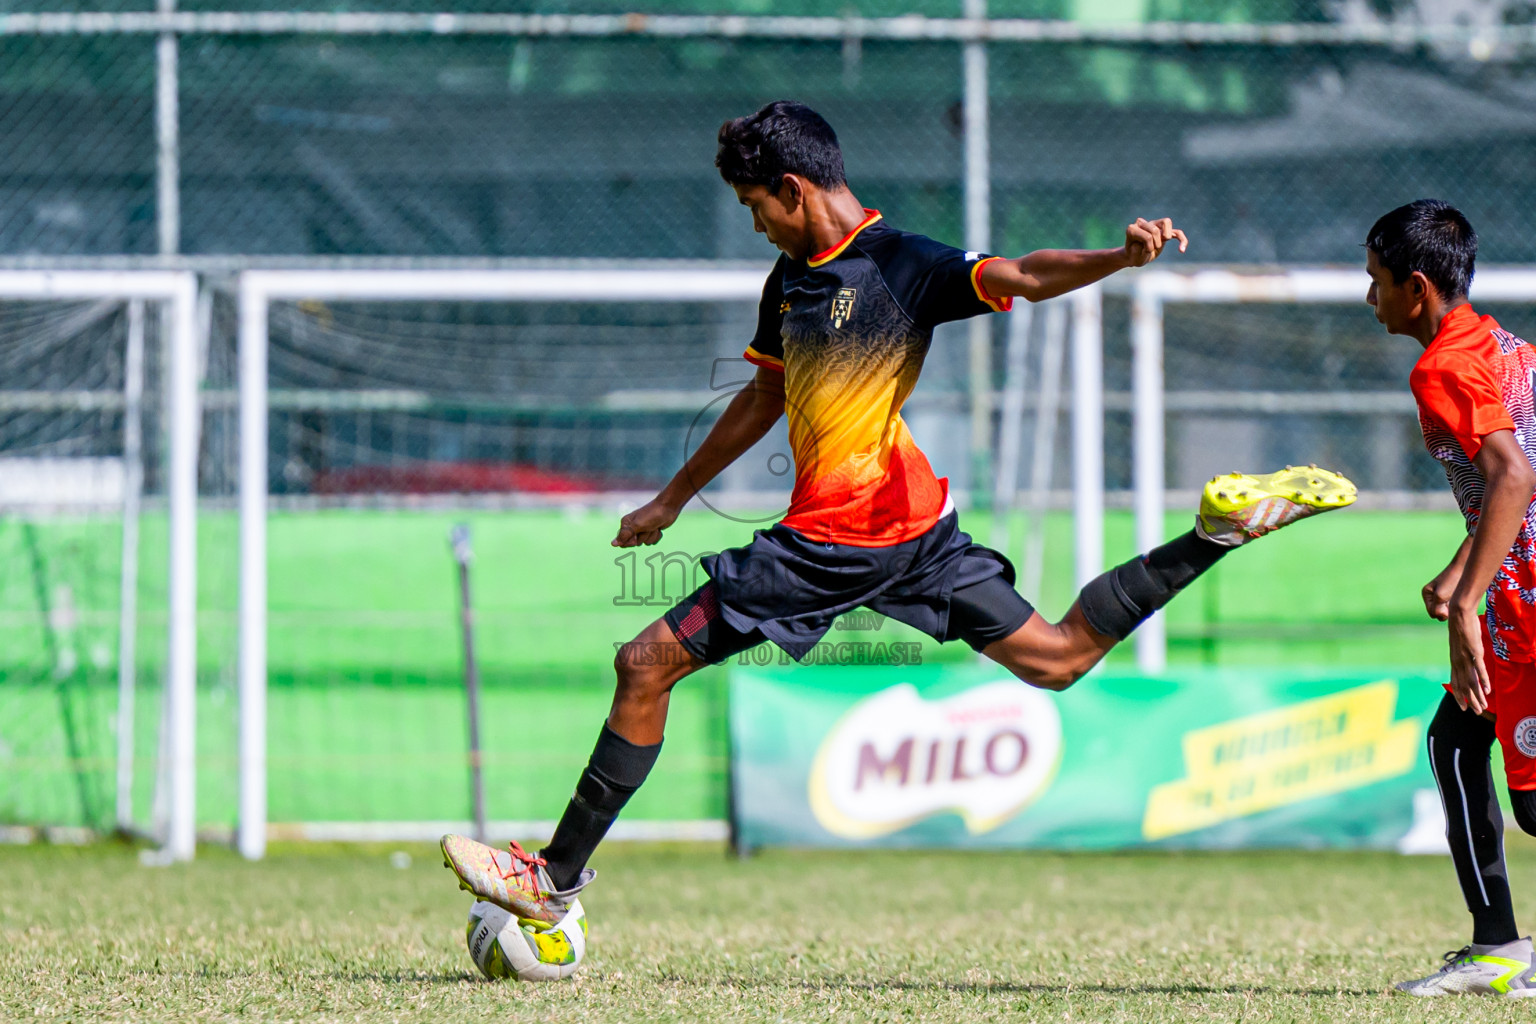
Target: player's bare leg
[(647, 668), (1050, 655), (539, 887), (1234, 509)]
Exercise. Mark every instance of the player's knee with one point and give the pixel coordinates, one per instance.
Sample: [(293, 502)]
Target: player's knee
[(1061, 677), (639, 671), (1054, 675), (1524, 803)]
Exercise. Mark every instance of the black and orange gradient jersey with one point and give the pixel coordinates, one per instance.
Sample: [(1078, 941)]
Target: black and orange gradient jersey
[(850, 328)]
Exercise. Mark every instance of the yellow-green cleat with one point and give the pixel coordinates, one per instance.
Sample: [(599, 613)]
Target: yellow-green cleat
[(513, 879), (1236, 508)]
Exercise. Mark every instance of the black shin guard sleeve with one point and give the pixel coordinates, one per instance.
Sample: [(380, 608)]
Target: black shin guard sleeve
[(1459, 744), (616, 769), (1120, 600)]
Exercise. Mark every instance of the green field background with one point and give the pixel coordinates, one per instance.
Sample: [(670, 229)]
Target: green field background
[(366, 705)]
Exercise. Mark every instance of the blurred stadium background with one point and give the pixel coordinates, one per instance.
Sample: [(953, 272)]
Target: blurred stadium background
[(223, 136)]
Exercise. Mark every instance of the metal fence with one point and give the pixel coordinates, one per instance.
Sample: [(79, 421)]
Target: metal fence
[(216, 138), (517, 135)]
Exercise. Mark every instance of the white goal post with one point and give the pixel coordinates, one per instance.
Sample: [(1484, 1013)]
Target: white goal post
[(1150, 291), (177, 290), (258, 289)]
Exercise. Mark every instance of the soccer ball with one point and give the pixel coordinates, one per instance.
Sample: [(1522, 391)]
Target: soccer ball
[(502, 948)]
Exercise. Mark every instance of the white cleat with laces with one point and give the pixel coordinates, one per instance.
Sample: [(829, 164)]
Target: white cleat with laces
[(1480, 970), (513, 879)]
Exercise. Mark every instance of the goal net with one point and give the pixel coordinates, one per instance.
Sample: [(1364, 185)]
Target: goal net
[(535, 406), (89, 740)]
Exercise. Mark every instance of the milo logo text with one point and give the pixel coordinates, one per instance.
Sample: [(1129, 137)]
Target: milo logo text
[(896, 758)]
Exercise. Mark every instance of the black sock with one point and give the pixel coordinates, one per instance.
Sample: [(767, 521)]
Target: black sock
[(613, 773), (1459, 743), (1122, 599)]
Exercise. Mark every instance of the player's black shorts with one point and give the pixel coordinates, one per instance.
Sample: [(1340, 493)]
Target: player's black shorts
[(787, 588)]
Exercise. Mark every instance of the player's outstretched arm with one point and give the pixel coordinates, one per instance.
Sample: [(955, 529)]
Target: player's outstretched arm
[(1510, 482), (1048, 273), (755, 409)]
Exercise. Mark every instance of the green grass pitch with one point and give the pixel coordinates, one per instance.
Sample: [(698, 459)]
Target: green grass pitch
[(686, 933)]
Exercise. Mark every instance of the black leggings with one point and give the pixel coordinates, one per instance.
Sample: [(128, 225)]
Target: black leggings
[(1459, 746)]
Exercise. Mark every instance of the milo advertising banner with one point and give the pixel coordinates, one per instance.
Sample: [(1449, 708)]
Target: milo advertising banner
[(966, 755)]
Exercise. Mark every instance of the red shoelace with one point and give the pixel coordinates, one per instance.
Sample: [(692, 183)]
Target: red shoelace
[(523, 868)]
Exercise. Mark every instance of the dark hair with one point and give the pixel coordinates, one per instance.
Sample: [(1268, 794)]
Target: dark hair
[(1430, 236), (782, 138)]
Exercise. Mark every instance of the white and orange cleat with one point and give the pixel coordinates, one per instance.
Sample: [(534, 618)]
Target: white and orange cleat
[(513, 879), (1236, 508)]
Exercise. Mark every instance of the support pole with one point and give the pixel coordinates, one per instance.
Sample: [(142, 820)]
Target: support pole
[(167, 139), (1043, 457), (978, 238), (1147, 447), (252, 831), (1088, 432), (1010, 439), (463, 555), (185, 424), (128, 605)]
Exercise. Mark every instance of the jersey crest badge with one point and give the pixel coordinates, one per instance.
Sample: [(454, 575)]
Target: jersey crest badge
[(842, 306)]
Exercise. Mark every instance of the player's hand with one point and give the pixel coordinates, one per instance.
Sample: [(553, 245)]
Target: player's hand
[(644, 524), (1437, 592), (1470, 684), (1144, 240)]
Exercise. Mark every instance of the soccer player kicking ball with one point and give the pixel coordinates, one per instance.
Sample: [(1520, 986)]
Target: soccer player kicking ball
[(845, 321), (1473, 385)]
